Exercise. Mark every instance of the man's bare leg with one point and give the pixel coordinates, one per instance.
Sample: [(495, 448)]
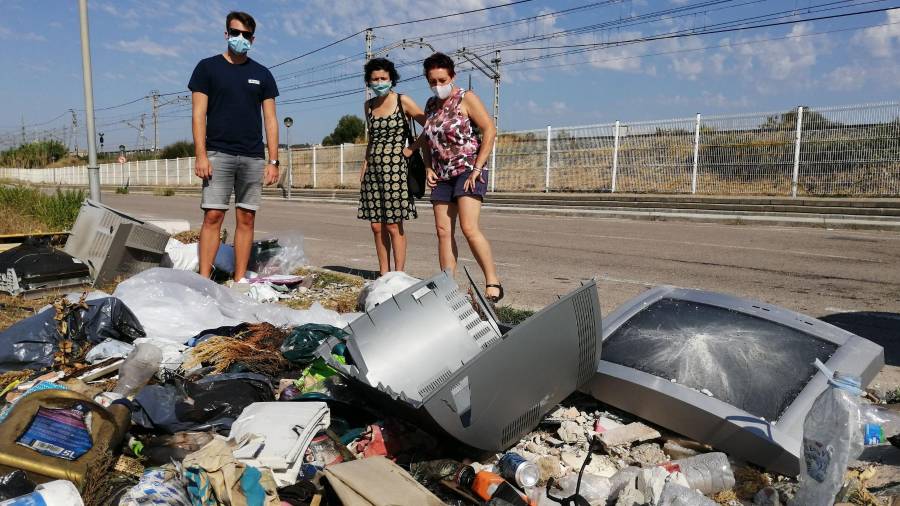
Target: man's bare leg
[(209, 239)]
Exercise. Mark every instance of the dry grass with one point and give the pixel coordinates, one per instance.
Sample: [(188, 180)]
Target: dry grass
[(750, 481), (333, 290), (188, 237), (14, 222), (259, 349), (13, 309)]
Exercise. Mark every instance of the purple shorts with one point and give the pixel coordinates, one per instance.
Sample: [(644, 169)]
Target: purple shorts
[(453, 188)]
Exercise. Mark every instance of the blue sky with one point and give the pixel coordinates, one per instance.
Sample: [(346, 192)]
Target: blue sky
[(138, 46)]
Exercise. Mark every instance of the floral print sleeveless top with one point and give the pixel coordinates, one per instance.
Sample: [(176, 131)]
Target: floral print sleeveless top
[(451, 139)]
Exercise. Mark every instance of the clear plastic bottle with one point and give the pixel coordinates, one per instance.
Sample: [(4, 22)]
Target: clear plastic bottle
[(140, 365), (517, 469), (832, 436), (709, 473)]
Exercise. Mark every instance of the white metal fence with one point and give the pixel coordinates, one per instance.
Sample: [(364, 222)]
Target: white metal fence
[(848, 150)]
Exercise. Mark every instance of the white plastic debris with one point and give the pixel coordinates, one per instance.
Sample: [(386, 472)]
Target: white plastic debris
[(262, 292), (275, 435), (172, 353), (181, 256), (110, 348), (176, 305), (384, 288)]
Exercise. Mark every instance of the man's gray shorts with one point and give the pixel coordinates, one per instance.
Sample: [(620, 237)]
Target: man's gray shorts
[(241, 174)]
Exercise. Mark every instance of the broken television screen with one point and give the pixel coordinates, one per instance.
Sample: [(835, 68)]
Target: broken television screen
[(752, 363)]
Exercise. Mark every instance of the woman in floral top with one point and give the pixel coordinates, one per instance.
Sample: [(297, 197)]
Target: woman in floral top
[(454, 161)]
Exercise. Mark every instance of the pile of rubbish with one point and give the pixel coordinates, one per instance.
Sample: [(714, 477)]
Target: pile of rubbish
[(178, 390)]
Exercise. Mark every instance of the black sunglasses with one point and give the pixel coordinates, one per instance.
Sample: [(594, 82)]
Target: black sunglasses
[(234, 32)]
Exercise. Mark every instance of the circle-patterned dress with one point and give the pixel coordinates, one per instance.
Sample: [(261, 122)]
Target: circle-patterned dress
[(384, 195)]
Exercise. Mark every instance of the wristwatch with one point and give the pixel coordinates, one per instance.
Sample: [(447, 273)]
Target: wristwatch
[(274, 162)]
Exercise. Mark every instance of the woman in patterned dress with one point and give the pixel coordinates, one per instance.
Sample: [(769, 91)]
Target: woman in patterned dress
[(454, 162), (384, 198)]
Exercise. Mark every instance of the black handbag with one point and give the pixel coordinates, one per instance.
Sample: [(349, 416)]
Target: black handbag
[(415, 164)]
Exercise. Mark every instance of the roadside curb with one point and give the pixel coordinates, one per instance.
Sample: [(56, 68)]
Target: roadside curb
[(728, 218)]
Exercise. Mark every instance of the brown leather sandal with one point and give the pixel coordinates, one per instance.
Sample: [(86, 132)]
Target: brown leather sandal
[(496, 299)]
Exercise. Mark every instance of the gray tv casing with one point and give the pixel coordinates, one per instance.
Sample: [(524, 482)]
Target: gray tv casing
[(428, 349), (776, 445), (113, 243)]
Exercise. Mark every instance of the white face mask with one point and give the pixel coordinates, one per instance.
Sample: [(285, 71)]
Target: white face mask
[(442, 91)]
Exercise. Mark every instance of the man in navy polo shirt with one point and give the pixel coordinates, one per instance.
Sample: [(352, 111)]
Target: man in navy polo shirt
[(227, 92)]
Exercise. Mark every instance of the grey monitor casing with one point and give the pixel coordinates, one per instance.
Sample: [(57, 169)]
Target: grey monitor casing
[(425, 350), (113, 243), (774, 445)]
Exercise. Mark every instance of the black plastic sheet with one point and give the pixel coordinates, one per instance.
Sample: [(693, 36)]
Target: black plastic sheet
[(214, 401), (15, 484), (32, 342)]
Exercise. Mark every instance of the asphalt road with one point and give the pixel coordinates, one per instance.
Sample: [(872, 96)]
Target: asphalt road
[(816, 271)]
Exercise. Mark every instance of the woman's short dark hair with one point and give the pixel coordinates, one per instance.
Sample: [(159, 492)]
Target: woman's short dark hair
[(381, 64), (439, 61), (245, 19)]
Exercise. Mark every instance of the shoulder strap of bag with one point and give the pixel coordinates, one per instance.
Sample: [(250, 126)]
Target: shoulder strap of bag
[(406, 121)]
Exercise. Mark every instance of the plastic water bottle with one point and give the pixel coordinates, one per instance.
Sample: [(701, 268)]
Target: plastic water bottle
[(832, 436), (709, 473), (140, 365), (54, 493), (516, 469)]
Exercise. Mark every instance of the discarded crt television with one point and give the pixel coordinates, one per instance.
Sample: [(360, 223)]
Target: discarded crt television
[(34, 267), (437, 356), (726, 371), (113, 243)]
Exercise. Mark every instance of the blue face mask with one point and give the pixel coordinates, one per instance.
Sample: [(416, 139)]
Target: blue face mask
[(238, 45), (381, 88)]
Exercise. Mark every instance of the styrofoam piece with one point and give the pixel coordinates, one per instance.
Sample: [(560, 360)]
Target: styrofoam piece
[(275, 435)]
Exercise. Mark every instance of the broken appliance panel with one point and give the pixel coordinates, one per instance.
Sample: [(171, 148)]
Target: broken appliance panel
[(114, 244), (34, 267), (726, 371), (436, 352)]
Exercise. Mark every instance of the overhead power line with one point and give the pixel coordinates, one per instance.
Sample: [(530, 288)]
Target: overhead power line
[(432, 18)]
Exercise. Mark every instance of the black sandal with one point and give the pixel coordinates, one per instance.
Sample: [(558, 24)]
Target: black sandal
[(494, 300)]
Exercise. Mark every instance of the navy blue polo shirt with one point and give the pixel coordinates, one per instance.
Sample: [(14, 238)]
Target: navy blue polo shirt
[(236, 92)]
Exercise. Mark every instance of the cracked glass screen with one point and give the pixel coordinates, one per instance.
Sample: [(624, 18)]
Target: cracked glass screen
[(754, 364)]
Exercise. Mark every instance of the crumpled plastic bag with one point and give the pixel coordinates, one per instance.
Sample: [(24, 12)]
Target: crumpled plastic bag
[(181, 256), (109, 348), (263, 292), (300, 346), (213, 401), (160, 486), (177, 305), (32, 342), (384, 288), (172, 353), (288, 257)]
